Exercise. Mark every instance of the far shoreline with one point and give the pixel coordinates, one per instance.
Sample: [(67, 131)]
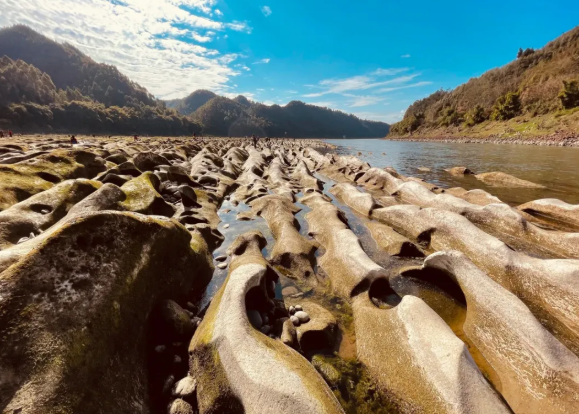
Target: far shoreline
[(549, 141)]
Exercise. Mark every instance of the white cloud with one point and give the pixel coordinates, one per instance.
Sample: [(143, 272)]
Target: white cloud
[(359, 101), (379, 116), (389, 72), (268, 103), (143, 38), (266, 10), (406, 56), (219, 13), (242, 67), (292, 92), (262, 62), (231, 95), (354, 83), (323, 104), (414, 85)]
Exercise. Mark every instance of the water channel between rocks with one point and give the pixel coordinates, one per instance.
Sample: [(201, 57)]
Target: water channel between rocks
[(443, 297)]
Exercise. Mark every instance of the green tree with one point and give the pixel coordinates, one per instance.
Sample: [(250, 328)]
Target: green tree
[(569, 95), (475, 116), (506, 107)]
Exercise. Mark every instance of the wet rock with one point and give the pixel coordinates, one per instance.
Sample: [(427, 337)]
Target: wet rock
[(245, 364), (459, 171), (302, 316), (291, 250), (147, 161), (179, 406), (98, 270), (222, 265), (221, 258), (413, 354), (184, 388), (392, 242), (174, 322), (327, 370), (500, 179), (255, 319), (553, 209), (535, 375), (142, 196)]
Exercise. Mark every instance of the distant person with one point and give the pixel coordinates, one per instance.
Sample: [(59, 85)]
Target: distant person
[(1, 134), (10, 133), (73, 140), (255, 139), (135, 138)]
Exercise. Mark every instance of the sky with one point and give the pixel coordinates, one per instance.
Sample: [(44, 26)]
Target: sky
[(372, 58)]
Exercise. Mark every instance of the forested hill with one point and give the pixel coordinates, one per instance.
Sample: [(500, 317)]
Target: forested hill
[(240, 116), (70, 68), (536, 93), (46, 86)]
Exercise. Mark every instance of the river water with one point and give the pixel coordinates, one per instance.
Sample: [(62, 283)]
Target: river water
[(555, 167)]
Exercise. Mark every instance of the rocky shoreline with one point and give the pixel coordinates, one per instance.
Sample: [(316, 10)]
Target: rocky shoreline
[(553, 140), (183, 276)]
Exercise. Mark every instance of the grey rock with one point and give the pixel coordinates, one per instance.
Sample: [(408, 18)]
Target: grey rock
[(185, 387), (265, 329), (222, 265), (180, 406), (298, 308), (221, 258), (291, 310), (295, 320), (302, 316), (160, 348), (255, 319)]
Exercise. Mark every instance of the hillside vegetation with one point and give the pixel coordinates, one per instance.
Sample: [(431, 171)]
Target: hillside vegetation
[(536, 94), (239, 117), (46, 86)]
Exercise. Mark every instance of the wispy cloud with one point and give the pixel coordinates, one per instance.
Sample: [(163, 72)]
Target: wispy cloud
[(355, 83), (262, 62), (326, 104), (406, 56), (266, 10), (160, 44), (389, 72), (242, 67), (359, 101), (390, 118), (414, 85), (292, 92), (218, 13)]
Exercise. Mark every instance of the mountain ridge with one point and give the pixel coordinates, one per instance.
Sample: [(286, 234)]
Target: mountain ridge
[(536, 94)]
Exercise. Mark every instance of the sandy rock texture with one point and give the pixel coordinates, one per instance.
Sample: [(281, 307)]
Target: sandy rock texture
[(224, 275)]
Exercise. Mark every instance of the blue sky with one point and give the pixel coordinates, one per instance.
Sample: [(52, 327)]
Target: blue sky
[(370, 58)]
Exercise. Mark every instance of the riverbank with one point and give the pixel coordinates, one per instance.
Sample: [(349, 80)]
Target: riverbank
[(555, 140)]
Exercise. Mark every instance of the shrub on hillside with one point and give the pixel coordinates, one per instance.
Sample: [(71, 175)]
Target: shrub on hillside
[(569, 95), (450, 116), (475, 116), (408, 125), (506, 107)]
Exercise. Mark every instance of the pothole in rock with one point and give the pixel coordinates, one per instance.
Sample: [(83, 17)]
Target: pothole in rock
[(445, 297)]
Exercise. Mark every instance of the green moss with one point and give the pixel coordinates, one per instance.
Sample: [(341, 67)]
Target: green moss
[(353, 387)]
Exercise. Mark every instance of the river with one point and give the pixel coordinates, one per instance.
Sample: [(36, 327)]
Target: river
[(555, 167)]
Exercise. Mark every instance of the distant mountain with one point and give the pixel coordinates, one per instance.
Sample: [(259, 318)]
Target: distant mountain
[(540, 84), (48, 86), (191, 103), (240, 116), (69, 68), (31, 101)]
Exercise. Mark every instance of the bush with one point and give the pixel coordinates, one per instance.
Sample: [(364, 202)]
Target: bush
[(408, 125), (506, 107), (475, 116), (450, 116), (569, 95)]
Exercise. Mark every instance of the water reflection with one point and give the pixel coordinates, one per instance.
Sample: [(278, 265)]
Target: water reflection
[(554, 167)]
